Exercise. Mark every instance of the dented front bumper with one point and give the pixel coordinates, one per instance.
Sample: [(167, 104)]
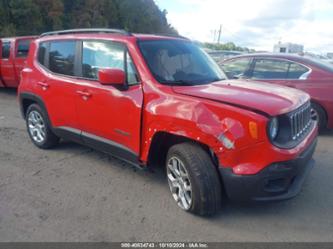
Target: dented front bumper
[(278, 181)]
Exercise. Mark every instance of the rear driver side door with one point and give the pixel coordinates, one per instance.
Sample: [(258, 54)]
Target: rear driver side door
[(55, 82)]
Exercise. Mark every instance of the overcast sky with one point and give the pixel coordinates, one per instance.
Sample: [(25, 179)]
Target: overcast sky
[(257, 24)]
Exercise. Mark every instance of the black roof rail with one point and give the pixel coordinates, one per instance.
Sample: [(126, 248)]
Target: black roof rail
[(83, 31)]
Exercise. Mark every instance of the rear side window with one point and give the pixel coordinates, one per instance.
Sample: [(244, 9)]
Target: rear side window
[(5, 50), (270, 69), (42, 54), (23, 48), (236, 68), (62, 57), (106, 54), (296, 71)]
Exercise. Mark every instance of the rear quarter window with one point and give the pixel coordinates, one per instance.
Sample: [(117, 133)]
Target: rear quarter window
[(296, 71), (41, 57)]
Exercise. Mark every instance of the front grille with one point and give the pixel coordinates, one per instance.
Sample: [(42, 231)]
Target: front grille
[(300, 121)]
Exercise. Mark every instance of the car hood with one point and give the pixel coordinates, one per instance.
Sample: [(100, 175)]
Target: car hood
[(261, 97)]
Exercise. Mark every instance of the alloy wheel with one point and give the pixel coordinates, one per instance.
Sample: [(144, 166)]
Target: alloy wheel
[(36, 126), (179, 183)]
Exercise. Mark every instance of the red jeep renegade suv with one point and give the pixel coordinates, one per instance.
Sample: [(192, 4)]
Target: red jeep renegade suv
[(150, 99)]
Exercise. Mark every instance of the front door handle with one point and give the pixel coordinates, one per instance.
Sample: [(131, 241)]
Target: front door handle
[(85, 95)]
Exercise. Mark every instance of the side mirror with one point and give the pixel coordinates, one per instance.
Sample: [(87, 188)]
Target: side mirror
[(109, 76)]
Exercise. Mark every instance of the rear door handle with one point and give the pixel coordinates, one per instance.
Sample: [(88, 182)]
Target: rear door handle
[(44, 85)]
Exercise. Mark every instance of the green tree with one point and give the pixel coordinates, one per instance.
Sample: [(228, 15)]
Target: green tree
[(28, 17), (230, 46), (20, 17), (51, 13)]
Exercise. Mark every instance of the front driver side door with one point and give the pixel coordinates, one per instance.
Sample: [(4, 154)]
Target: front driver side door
[(110, 117)]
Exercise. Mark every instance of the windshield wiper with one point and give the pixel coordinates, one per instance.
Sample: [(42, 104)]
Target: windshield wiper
[(214, 80), (180, 82), (191, 83)]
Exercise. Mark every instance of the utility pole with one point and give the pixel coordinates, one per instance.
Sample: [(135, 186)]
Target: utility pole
[(214, 35), (219, 37)]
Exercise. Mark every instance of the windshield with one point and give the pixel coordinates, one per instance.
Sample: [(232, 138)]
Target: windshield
[(179, 62)]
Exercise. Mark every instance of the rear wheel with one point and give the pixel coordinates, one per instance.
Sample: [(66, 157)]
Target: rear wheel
[(38, 128), (193, 179), (318, 114)]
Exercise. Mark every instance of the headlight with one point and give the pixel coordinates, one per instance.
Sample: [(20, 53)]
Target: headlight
[(273, 128)]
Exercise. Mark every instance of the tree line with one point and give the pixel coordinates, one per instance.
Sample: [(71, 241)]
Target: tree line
[(32, 17), (229, 46)]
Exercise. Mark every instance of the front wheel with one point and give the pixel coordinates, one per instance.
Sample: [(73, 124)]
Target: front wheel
[(193, 179)]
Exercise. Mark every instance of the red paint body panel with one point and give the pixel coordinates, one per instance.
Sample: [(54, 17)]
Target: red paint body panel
[(133, 117), (257, 96), (1, 82), (111, 76), (319, 84), (112, 114), (10, 69), (59, 95)]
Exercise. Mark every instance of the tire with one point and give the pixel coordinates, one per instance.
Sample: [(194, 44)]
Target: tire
[(202, 177), (39, 129), (319, 114)]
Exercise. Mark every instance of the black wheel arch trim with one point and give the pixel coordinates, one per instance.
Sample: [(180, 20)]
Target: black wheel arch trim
[(35, 98)]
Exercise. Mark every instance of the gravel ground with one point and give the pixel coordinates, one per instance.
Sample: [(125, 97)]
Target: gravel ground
[(73, 193)]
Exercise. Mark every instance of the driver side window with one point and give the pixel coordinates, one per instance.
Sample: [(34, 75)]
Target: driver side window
[(106, 54)]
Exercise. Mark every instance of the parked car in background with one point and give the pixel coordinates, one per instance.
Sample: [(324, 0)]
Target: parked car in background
[(220, 55), (13, 53), (153, 100), (309, 75)]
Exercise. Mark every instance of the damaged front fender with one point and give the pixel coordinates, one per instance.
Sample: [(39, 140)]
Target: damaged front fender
[(222, 129)]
